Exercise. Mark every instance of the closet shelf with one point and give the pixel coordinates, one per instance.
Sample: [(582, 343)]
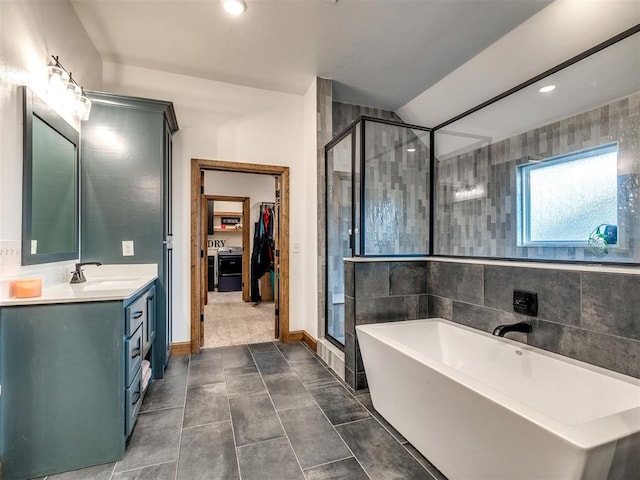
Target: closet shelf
[(227, 214), (230, 229)]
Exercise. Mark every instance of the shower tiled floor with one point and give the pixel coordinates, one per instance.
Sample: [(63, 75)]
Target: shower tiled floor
[(267, 411)]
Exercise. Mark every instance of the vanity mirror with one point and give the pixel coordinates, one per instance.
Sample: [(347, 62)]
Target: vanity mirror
[(50, 184)]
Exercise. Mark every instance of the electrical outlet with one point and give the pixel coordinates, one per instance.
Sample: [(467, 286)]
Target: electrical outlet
[(296, 248), (127, 248)]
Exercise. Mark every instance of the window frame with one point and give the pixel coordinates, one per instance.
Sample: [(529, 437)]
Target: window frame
[(524, 199)]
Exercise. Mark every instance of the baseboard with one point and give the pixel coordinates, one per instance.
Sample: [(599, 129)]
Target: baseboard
[(301, 336), (181, 348), (310, 341)]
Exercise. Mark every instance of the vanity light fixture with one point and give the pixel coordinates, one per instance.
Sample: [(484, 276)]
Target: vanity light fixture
[(234, 7), (70, 93), (547, 89)]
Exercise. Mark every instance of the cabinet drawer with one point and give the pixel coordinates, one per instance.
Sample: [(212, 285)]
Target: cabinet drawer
[(133, 401), (133, 355), (135, 314)]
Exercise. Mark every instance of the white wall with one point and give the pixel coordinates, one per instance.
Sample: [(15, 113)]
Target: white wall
[(30, 32), (308, 247), (221, 121), (558, 32)]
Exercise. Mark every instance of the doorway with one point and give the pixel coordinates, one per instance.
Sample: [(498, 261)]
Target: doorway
[(199, 252)]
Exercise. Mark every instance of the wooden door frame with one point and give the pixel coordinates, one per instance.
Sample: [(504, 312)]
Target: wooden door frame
[(198, 166), (246, 252)]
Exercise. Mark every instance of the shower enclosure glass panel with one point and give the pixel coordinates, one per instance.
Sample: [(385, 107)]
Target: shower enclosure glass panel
[(485, 202), (378, 201), (339, 229), (396, 190)]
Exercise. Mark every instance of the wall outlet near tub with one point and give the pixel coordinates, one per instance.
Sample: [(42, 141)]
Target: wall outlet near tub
[(525, 302), (127, 248)]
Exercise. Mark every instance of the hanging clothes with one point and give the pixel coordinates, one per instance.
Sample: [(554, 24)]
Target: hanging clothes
[(263, 250), (255, 289)]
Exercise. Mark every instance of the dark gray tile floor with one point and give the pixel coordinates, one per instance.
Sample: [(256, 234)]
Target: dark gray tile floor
[(262, 411)]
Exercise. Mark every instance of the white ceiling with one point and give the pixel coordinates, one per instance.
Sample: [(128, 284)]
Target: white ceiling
[(379, 53), (608, 75)]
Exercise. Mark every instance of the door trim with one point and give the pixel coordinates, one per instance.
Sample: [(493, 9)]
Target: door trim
[(198, 166)]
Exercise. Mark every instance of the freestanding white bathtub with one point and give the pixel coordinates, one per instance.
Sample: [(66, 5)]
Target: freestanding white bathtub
[(483, 407)]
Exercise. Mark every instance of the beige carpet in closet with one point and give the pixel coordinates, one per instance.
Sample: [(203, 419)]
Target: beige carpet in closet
[(230, 321)]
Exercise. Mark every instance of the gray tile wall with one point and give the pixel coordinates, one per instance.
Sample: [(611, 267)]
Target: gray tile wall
[(588, 316), (344, 114), (487, 226), (376, 292), (324, 135)]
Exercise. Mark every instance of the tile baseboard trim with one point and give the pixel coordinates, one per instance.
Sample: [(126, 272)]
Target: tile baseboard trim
[(181, 348), (332, 356), (301, 336)]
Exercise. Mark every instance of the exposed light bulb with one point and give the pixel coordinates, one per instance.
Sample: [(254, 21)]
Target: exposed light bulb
[(547, 89), (234, 7), (83, 108), (411, 149)]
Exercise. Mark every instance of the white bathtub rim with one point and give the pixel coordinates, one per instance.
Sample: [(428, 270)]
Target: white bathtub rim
[(585, 436)]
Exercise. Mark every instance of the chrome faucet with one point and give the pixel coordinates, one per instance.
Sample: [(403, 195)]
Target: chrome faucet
[(501, 330), (78, 274)]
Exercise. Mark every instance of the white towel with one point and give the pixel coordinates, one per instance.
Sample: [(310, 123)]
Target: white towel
[(146, 376)]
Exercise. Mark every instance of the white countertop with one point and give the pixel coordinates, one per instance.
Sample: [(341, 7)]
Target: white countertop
[(104, 283)]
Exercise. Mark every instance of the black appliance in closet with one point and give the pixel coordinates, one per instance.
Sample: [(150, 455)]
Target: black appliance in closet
[(263, 248), (230, 269)]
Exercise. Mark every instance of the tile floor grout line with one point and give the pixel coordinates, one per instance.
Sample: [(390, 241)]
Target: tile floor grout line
[(233, 432), (383, 425), (329, 463), (141, 468), (330, 423), (113, 470), (184, 413), (428, 471), (260, 441), (206, 424), (276, 412)]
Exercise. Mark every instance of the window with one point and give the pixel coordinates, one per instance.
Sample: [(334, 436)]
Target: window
[(562, 200)]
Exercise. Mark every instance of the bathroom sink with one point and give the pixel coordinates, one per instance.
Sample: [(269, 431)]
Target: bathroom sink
[(114, 283)]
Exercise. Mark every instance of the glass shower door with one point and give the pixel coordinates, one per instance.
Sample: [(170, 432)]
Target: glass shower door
[(339, 174)]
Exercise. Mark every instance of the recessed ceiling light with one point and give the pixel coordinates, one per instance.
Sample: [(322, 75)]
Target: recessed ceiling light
[(547, 88), (411, 149), (234, 7)]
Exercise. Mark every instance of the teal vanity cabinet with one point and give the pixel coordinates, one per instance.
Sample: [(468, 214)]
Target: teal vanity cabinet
[(71, 382), (126, 157)]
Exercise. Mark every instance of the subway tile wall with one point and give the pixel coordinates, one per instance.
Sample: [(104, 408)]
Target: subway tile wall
[(589, 316), (487, 226)]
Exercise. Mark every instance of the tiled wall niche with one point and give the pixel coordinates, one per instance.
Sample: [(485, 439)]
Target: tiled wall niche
[(584, 314)]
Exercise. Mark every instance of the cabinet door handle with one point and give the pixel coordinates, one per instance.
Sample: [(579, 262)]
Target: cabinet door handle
[(138, 314), (136, 396), (135, 353)]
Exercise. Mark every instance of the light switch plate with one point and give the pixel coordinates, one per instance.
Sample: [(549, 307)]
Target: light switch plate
[(127, 248), (296, 248)]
